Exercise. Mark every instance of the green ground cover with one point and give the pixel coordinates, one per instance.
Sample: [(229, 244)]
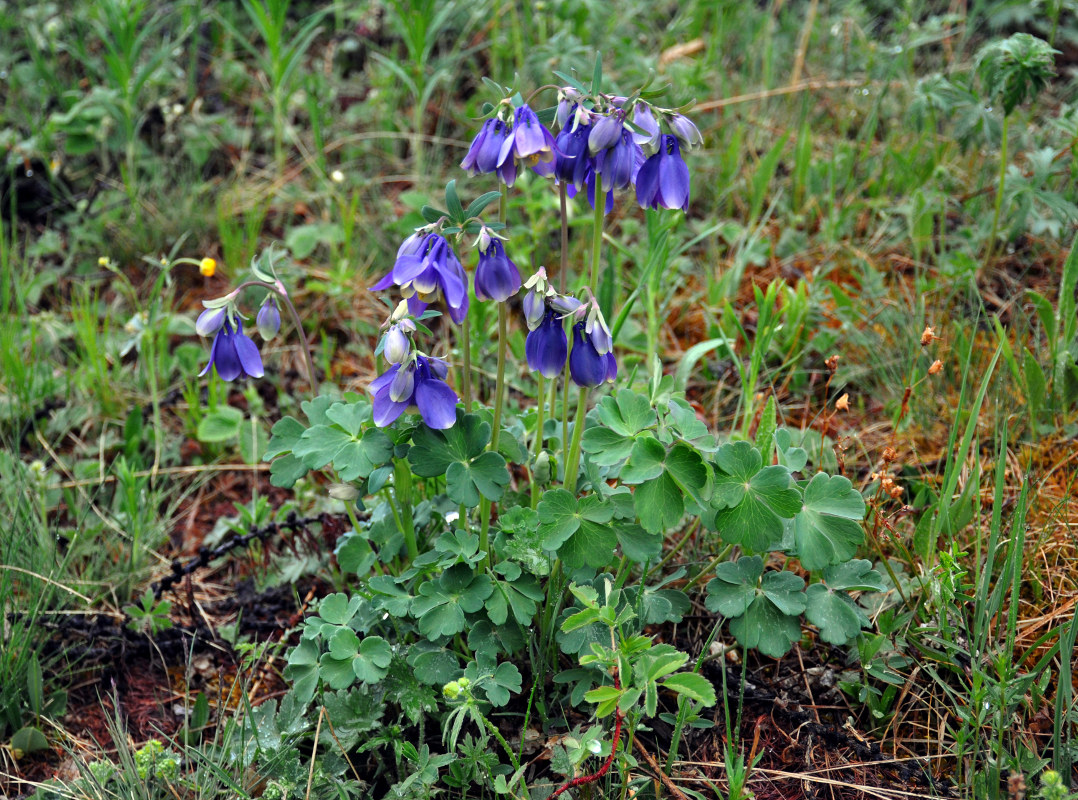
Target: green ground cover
[(815, 539)]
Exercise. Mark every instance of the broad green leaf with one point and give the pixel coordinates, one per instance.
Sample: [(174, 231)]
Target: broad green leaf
[(286, 470), (486, 475), (506, 681), (791, 456), (637, 544), (433, 665), (285, 434), (220, 425), (835, 614), (827, 530), (372, 662), (350, 416), (659, 504), (433, 451), (302, 670), (751, 502), (693, 686), (646, 461), (561, 515), (855, 575), (764, 627), (687, 467), (338, 608), (521, 596), (733, 588), (785, 590), (605, 447), (627, 413)]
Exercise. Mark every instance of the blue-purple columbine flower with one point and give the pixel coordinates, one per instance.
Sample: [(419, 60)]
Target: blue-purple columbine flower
[(496, 277), (663, 181), (547, 346), (619, 164), (572, 159), (426, 269), (420, 385), (528, 141), (268, 320), (587, 366), (233, 354), (486, 148)]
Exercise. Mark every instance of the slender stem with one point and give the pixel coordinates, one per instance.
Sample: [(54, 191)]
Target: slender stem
[(540, 411), (499, 385), (402, 484), (572, 461), (563, 271), (564, 411), (707, 570), (597, 233), (465, 343), (279, 290), (999, 190)]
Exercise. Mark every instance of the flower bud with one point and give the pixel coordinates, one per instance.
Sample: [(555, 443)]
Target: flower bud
[(645, 120), (268, 320), (605, 133), (210, 321), (534, 309), (397, 347), (684, 129)]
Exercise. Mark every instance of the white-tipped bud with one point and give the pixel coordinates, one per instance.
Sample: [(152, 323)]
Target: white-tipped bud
[(645, 120), (597, 329), (211, 320), (397, 346), (567, 304), (483, 242), (684, 129), (534, 308), (605, 133), (268, 319)]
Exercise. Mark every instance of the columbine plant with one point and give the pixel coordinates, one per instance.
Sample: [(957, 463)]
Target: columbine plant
[(499, 543)]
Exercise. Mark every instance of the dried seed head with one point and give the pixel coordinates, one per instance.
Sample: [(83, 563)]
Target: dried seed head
[(889, 455), (937, 365), (843, 403), (832, 363), (1016, 786), (928, 335), (894, 490)]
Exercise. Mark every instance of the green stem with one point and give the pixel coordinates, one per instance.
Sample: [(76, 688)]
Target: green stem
[(999, 190), (465, 343), (540, 410), (707, 570), (279, 290), (499, 385), (597, 233), (572, 461), (563, 271), (402, 485)]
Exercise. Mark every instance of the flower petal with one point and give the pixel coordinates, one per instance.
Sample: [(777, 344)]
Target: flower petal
[(250, 360), (437, 403)]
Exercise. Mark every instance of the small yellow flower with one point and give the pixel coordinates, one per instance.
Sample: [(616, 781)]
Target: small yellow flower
[(103, 261), (207, 267)]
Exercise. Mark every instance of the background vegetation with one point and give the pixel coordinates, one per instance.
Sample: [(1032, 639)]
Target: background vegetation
[(882, 182)]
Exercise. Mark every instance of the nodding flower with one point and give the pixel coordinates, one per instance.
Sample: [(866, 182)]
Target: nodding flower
[(496, 277), (587, 366), (233, 354), (416, 385), (527, 141), (424, 269), (547, 345), (663, 180)]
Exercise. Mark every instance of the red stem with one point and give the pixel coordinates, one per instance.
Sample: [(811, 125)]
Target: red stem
[(583, 779)]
